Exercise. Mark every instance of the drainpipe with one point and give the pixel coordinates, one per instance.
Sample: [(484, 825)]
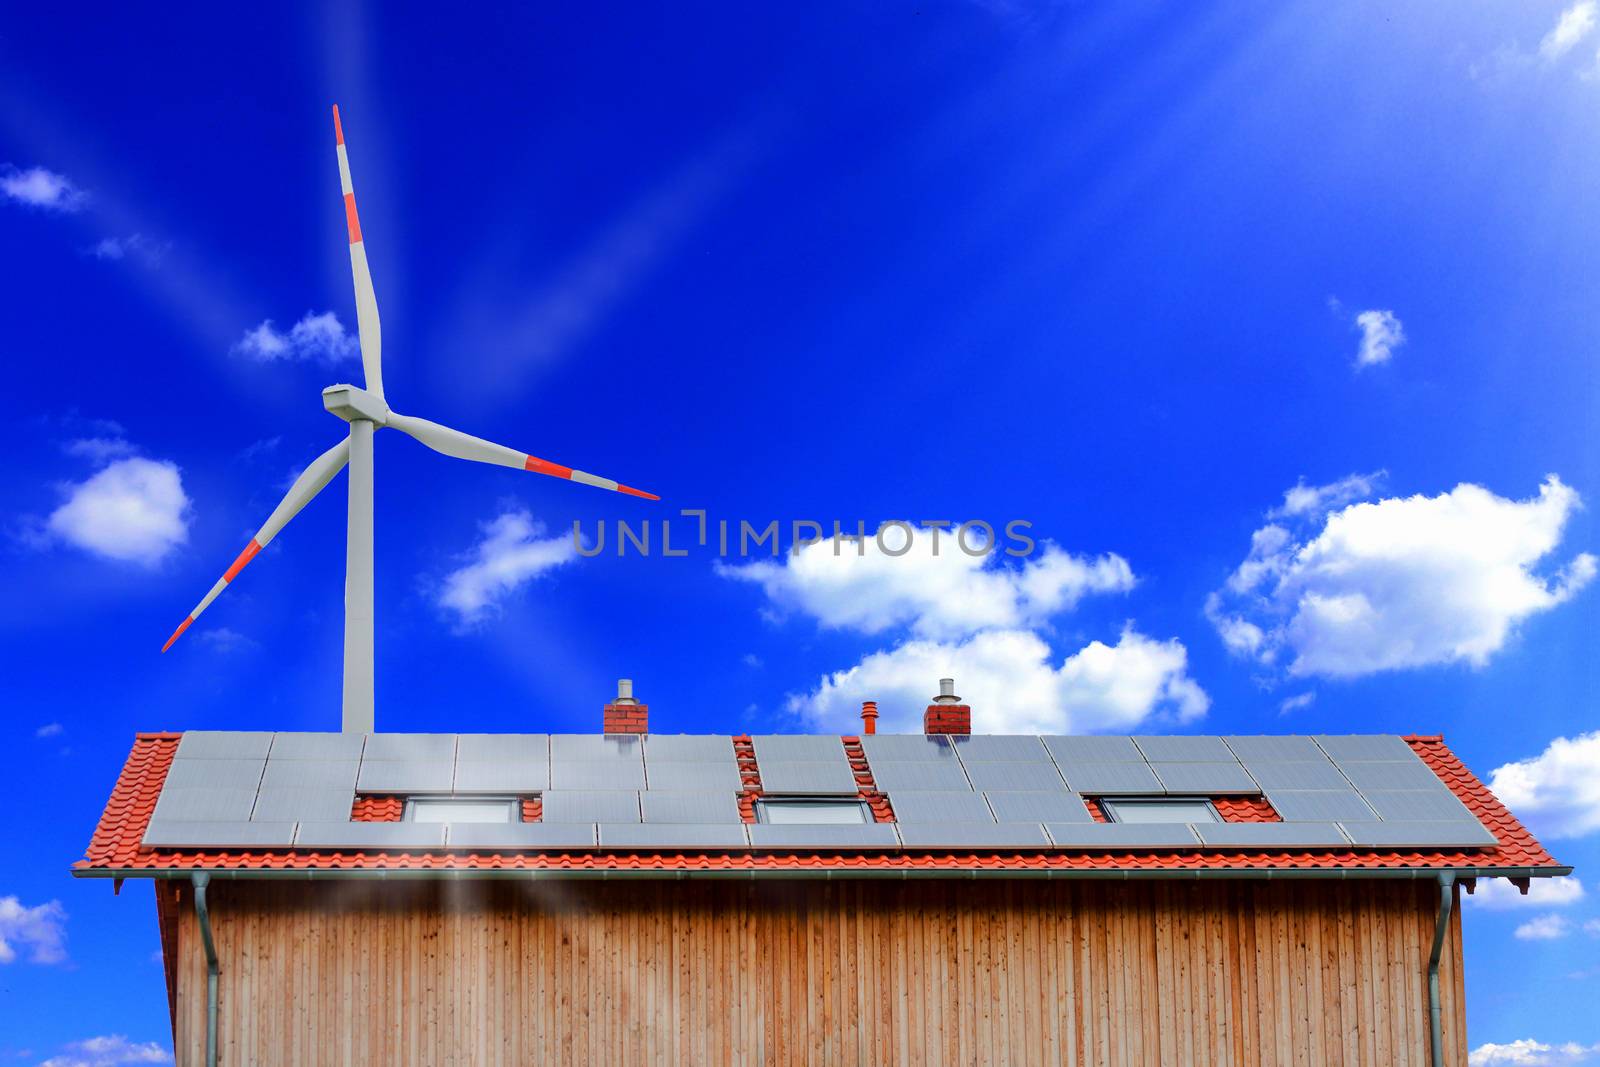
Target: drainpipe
[(1447, 896), (201, 880)]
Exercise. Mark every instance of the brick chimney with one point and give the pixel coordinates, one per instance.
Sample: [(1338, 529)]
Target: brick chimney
[(626, 715), (947, 715), (869, 716)]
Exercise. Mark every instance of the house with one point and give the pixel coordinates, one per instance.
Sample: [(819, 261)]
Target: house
[(945, 897)]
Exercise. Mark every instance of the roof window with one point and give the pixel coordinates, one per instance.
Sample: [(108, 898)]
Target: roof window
[(1173, 810), (811, 811), (463, 809)]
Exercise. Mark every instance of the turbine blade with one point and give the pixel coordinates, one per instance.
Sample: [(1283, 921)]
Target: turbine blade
[(366, 299), (308, 485), (464, 446)]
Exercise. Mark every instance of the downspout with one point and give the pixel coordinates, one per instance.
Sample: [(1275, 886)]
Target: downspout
[(201, 879), (1447, 896)]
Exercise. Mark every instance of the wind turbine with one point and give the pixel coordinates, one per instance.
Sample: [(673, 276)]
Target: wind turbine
[(367, 412)]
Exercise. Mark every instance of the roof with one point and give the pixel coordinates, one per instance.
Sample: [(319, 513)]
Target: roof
[(248, 804)]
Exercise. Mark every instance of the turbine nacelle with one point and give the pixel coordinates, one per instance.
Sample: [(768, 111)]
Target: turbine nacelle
[(351, 402)]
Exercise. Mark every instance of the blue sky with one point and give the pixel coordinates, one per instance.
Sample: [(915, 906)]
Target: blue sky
[(1129, 273)]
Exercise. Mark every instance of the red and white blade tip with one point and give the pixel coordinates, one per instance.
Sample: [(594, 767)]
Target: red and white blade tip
[(338, 129), (182, 626)]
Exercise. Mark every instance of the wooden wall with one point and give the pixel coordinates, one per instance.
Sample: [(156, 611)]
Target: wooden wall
[(439, 973)]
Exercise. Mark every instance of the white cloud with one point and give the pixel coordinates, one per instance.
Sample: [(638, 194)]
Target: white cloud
[(1498, 894), (1558, 791), (38, 932), (319, 338), (1297, 703), (1381, 334), (225, 640), (1592, 927), (943, 594), (134, 510), (1398, 582), (1544, 928), (112, 1050), (1575, 23), (99, 450), (512, 552), (1318, 500), (50, 729), (1013, 686), (136, 245), (1526, 1052), (40, 188)]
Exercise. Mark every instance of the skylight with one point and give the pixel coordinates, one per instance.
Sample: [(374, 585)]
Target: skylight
[(811, 811), (461, 809), (1160, 811)]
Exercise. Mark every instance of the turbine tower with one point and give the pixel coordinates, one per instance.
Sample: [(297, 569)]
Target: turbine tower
[(367, 412)]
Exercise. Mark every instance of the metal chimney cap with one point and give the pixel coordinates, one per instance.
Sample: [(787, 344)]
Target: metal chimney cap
[(947, 692), (625, 692)]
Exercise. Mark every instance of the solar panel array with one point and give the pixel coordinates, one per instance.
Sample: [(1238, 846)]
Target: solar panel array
[(296, 790)]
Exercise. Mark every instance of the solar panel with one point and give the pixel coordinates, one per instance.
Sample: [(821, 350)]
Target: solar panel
[(204, 805), (1320, 805), (420, 747), (505, 777), (224, 744), (1121, 835), (1430, 805), (310, 774), (503, 748), (164, 834), (907, 748), (1037, 807), (1001, 748), (317, 746), (689, 808), (940, 774), (1299, 775), (596, 748), (520, 835), (874, 836), (1419, 834), (618, 774), (1111, 778), (1412, 775), (691, 776), (370, 835), (311, 805), (796, 748), (1164, 749), (591, 806), (1271, 835), (1290, 749), (831, 777), (406, 776), (1093, 749), (215, 773), (1210, 778), (1359, 747), (940, 807), (1023, 777), (974, 835), (673, 835), (688, 748)]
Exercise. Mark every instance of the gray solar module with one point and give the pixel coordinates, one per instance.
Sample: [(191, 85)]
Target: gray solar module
[(1016, 777), (370, 835), (224, 744), (1396, 775), (503, 748), (591, 806), (933, 774), (689, 808), (907, 748), (205, 805), (874, 836), (1037, 807), (1320, 805), (1208, 778), (310, 774), (831, 777), (673, 835), (1093, 749), (1420, 834), (596, 748), (691, 776), (310, 805), (688, 748), (617, 774), (508, 777), (317, 746), (1121, 835), (163, 834), (1185, 749), (1099, 779), (535, 835), (939, 807), (1365, 747), (1292, 749), (423, 747), (1001, 748), (973, 835), (215, 773), (1271, 835), (796, 748), (1420, 805), (406, 776), (1298, 775)]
